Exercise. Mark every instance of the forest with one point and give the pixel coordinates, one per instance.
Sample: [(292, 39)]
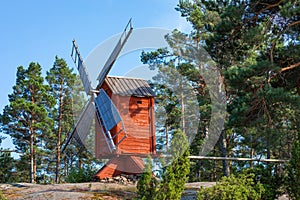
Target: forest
[(254, 47)]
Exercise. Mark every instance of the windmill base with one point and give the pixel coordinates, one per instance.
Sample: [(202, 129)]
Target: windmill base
[(129, 165)]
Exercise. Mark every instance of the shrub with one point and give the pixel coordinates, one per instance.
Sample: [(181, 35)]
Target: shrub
[(174, 176), (147, 184), (242, 187), (176, 173), (82, 175), (272, 181)]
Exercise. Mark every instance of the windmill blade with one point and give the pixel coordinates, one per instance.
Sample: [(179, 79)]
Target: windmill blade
[(113, 56), (82, 127), (108, 117), (87, 85)]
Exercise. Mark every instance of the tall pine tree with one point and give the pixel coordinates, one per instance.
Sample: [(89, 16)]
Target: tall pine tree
[(26, 117), (256, 46), (181, 91), (61, 80)]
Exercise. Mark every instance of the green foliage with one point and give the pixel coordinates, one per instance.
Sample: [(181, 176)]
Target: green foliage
[(26, 118), (23, 169), (176, 173), (13, 170), (256, 46), (179, 92), (81, 175), (38, 118), (61, 79), (242, 187), (147, 184), (293, 178), (174, 176), (270, 178), (6, 167)]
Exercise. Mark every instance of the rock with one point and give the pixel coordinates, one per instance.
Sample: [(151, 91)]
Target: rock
[(110, 180), (121, 179)]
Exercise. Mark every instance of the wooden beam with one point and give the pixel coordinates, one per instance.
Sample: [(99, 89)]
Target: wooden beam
[(237, 159)]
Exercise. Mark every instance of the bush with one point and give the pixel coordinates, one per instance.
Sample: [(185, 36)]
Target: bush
[(242, 187), (176, 173), (272, 181), (82, 175), (147, 184), (173, 178)]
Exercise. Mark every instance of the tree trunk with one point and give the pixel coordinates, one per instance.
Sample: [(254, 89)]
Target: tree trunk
[(182, 113), (65, 166), (167, 134), (60, 118), (32, 144), (251, 156), (31, 159), (223, 146), (79, 163), (268, 146), (182, 106), (181, 101), (34, 158), (58, 155)]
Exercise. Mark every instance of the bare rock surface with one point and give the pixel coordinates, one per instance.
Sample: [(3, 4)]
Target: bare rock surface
[(87, 191), (94, 190)]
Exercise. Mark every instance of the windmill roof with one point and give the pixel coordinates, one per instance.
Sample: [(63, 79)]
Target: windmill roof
[(126, 86)]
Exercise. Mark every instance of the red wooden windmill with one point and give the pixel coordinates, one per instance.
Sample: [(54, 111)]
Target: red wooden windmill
[(124, 112)]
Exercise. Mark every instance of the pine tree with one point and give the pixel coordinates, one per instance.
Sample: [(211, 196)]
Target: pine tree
[(147, 184), (26, 118), (176, 173), (6, 166), (174, 176), (177, 81), (61, 80), (256, 46), (81, 157)]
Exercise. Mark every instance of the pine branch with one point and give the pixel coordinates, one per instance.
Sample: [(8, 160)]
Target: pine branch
[(278, 36), (290, 67)]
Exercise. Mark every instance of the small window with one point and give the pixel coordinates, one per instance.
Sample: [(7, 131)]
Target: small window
[(139, 102)]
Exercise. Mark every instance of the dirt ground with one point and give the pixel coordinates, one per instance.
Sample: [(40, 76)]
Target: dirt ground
[(85, 191)]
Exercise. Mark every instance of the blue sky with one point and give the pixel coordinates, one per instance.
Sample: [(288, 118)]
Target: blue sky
[(36, 31)]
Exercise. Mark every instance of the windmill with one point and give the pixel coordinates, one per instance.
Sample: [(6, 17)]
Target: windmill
[(123, 109)]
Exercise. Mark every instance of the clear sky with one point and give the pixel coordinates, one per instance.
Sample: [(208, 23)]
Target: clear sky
[(36, 31)]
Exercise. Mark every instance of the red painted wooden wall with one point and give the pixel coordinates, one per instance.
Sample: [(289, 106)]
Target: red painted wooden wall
[(138, 117)]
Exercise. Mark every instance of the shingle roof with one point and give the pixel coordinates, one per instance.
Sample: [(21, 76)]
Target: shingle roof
[(129, 86)]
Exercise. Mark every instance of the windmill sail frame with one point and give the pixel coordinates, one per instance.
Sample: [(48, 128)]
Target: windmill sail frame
[(113, 56), (108, 117), (83, 125), (84, 76), (92, 108)]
